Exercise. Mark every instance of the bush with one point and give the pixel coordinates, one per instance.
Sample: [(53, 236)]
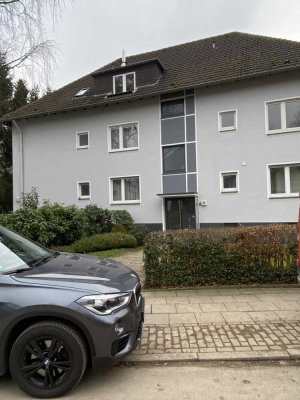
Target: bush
[(140, 232), (118, 228), (49, 225), (122, 217), (246, 255), (106, 241), (96, 220)]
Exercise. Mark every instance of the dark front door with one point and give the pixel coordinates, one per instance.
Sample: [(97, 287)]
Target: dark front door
[(180, 212)]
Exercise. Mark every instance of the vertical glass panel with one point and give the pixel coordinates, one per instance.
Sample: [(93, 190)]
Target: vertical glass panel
[(190, 105), (292, 114), (117, 191), (130, 136), (174, 159), (132, 188), (129, 82), (188, 213), (115, 138), (295, 178), (190, 128), (172, 108), (229, 181), (83, 139), (84, 189), (228, 119), (118, 84), (274, 116), (173, 215), (191, 157), (277, 180)]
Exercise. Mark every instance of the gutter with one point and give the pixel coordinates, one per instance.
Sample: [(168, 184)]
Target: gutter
[(21, 138)]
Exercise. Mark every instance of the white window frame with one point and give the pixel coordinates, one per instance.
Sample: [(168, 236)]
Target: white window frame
[(228, 128), (120, 126), (79, 196), (78, 147), (124, 82), (287, 180), (123, 201), (282, 103), (229, 190)]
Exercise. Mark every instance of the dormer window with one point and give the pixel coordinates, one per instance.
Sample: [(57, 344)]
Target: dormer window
[(124, 83), (81, 92)]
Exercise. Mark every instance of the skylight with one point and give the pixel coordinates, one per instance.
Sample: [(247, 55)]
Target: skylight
[(81, 92)]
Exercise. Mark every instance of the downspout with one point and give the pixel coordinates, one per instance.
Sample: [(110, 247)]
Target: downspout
[(21, 156)]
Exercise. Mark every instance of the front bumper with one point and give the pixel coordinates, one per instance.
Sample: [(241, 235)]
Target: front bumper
[(108, 346)]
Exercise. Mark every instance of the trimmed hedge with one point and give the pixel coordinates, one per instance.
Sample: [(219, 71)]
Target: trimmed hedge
[(105, 241), (244, 255)]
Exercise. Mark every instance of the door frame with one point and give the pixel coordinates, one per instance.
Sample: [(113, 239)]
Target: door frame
[(177, 195)]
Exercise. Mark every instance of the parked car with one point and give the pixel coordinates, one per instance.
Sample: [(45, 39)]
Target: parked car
[(61, 312)]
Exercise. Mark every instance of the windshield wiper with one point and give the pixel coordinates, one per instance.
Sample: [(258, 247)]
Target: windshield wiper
[(15, 271), (40, 261)]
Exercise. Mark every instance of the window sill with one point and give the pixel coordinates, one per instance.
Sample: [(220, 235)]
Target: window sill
[(82, 147), (278, 132), (125, 202), (84, 198), (122, 150), (229, 129), (229, 191), (284, 196)]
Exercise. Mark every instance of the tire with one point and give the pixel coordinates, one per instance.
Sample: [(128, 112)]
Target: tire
[(48, 359)]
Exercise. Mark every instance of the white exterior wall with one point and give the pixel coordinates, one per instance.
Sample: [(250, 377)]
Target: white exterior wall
[(227, 151), (54, 165)]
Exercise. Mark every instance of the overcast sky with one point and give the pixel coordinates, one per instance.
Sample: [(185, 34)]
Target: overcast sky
[(91, 33)]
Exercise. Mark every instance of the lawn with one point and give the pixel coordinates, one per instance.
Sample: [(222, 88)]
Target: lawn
[(116, 252)]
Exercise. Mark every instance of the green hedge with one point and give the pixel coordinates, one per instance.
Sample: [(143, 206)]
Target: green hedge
[(105, 241), (246, 255)]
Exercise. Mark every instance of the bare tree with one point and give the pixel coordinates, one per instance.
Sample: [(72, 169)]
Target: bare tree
[(23, 39)]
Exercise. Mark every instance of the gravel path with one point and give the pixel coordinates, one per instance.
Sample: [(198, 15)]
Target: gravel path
[(134, 261)]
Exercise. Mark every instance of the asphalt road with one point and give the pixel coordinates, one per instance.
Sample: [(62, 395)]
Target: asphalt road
[(217, 381)]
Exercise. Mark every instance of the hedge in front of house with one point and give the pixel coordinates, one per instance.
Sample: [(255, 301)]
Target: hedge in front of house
[(105, 241), (228, 256)]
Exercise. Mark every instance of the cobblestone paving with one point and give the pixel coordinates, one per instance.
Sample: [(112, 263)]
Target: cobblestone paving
[(220, 338)]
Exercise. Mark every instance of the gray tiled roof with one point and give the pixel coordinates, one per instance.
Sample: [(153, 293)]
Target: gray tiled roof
[(204, 62)]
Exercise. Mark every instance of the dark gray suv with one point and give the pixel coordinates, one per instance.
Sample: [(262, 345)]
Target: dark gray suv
[(60, 312)]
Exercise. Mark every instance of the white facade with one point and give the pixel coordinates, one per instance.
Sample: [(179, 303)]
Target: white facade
[(46, 154)]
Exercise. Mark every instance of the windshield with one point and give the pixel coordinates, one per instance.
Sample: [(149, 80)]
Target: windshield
[(17, 252)]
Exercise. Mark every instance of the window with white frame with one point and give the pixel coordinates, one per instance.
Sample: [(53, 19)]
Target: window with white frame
[(124, 83), (229, 182), (84, 190), (227, 120), (283, 116), (125, 189), (82, 140), (123, 137), (284, 180)]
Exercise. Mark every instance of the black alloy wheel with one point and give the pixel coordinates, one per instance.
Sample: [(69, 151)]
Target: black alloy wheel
[(48, 359)]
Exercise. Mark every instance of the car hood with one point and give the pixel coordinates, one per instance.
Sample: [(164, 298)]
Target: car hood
[(81, 272)]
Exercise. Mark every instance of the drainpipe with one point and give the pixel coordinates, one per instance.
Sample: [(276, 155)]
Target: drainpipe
[(21, 156)]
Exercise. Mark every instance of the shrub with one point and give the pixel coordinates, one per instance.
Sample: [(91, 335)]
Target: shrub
[(105, 241), (96, 220), (118, 228), (246, 255), (140, 232), (122, 217), (51, 224)]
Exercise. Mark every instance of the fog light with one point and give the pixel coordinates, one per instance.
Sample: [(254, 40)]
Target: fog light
[(119, 329)]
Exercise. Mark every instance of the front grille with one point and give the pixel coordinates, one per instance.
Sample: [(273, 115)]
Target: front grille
[(119, 345), (137, 293)]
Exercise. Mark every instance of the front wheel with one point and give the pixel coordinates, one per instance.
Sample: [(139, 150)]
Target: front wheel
[(48, 359)]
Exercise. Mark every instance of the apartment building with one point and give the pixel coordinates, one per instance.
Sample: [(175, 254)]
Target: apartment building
[(206, 133)]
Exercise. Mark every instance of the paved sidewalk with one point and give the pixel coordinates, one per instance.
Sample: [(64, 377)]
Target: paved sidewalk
[(219, 324)]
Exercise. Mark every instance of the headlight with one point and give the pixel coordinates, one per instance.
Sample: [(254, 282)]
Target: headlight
[(104, 304)]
